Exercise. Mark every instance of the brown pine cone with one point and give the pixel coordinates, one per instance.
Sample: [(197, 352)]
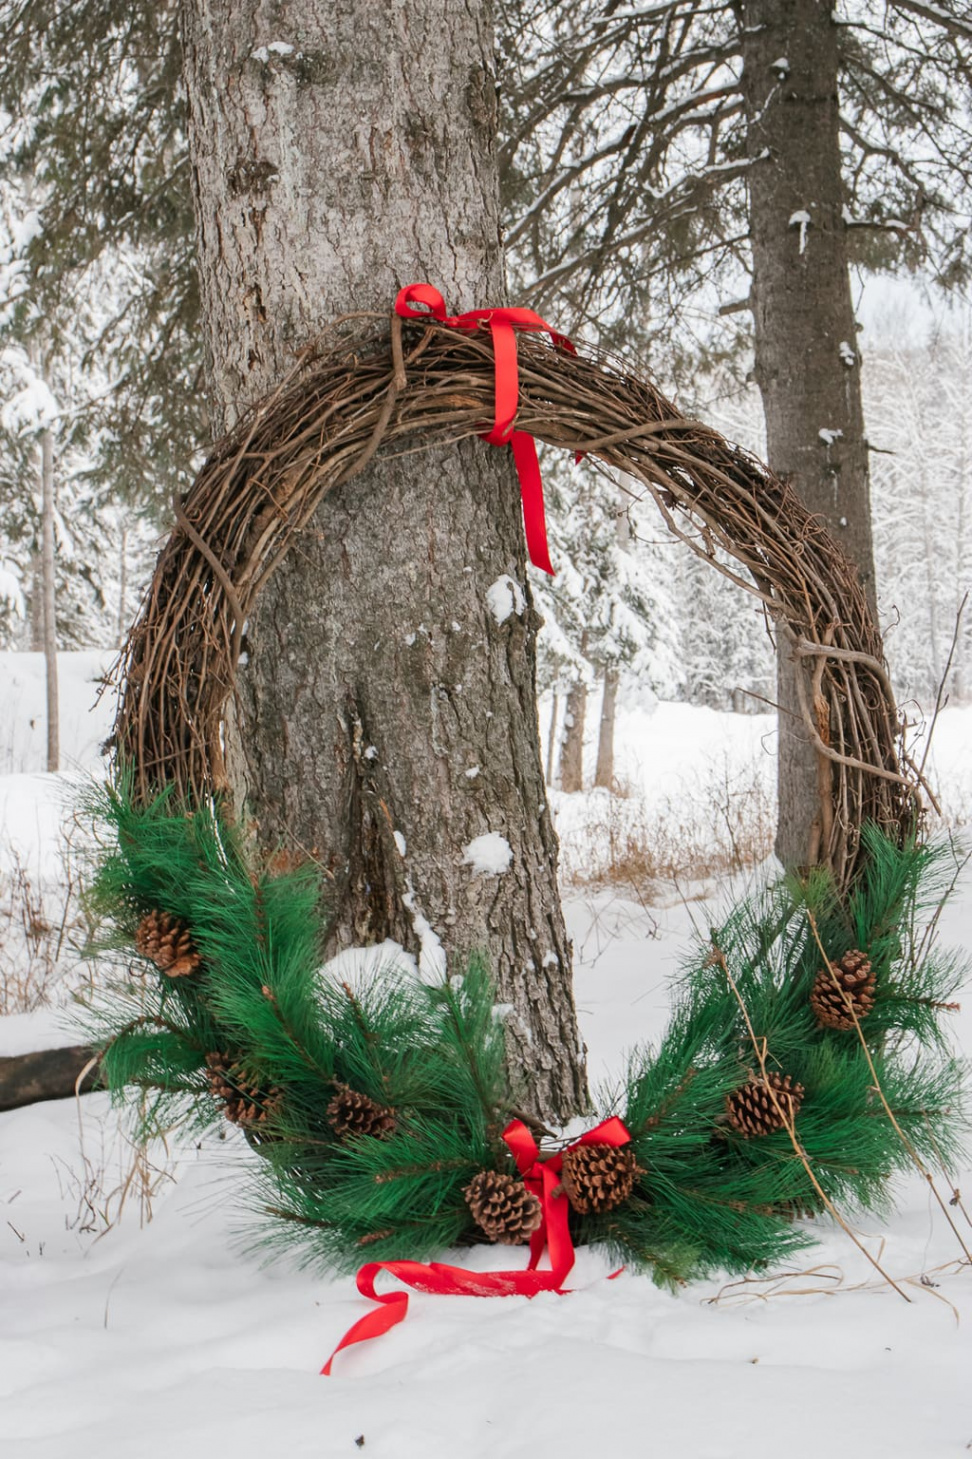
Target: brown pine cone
[(853, 976), (166, 941), (598, 1177), (244, 1103), (352, 1115), (752, 1109), (503, 1208)]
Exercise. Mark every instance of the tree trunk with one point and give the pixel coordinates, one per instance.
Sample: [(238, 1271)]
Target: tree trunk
[(36, 639), (807, 364), (49, 1074), (604, 774), (552, 737), (572, 743), (123, 623), (47, 584), (387, 716)]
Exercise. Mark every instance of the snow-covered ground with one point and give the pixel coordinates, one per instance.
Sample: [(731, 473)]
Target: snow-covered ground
[(119, 1338)]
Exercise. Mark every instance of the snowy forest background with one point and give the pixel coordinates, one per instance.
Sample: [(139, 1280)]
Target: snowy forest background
[(129, 1307), (626, 599), (100, 361)]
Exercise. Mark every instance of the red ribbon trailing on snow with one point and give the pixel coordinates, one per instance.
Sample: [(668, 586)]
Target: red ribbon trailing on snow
[(503, 324), (542, 1177)]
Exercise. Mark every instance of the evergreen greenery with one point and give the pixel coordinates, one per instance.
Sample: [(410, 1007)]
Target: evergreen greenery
[(706, 1198)]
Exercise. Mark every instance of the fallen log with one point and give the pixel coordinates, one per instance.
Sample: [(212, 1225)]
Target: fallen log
[(48, 1074)]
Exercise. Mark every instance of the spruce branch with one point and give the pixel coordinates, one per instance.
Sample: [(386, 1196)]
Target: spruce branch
[(788, 1123), (916, 1159)]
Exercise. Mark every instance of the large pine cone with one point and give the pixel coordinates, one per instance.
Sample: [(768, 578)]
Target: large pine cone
[(244, 1103), (598, 1177), (351, 1114), (854, 977), (503, 1208), (752, 1109), (166, 941)]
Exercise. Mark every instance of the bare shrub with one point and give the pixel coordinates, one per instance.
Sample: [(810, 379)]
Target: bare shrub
[(715, 823), (112, 1171), (41, 928)]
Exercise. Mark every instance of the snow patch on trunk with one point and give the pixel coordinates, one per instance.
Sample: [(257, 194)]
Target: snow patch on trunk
[(504, 597), (488, 855)]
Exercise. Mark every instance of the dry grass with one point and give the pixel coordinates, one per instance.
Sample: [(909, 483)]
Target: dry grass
[(112, 1172), (717, 824), (41, 928)]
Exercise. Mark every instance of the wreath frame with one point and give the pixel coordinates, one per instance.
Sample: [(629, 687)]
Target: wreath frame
[(357, 390), (223, 1011)]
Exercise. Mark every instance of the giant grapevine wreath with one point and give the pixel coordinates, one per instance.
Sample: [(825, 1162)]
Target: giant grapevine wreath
[(804, 1064)]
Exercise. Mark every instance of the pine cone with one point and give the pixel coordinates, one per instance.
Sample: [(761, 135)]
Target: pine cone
[(854, 977), (503, 1208), (166, 941), (752, 1109), (244, 1103), (598, 1177), (352, 1115)]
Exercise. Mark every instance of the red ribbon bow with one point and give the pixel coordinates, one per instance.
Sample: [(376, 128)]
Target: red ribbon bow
[(503, 324), (542, 1177)]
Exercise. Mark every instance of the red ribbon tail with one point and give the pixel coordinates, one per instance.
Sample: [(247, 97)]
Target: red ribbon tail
[(531, 492), (392, 1311), (440, 1280)]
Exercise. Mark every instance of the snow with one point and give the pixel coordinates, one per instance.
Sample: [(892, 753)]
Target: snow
[(168, 1337), (782, 66), (432, 958), (829, 436), (10, 589), (359, 966), (489, 854), (399, 842), (84, 724), (847, 355), (504, 597), (30, 408), (801, 219), (171, 1333), (275, 48)]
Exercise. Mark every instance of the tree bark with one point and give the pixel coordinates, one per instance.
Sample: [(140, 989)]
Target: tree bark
[(123, 622), (387, 715), (552, 737), (604, 773), (48, 1074), (807, 362), (50, 601), (572, 743), (36, 639), (48, 586)]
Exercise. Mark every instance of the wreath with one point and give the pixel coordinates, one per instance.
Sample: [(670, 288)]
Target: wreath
[(804, 1063)]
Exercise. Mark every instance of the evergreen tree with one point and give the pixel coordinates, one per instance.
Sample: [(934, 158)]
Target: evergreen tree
[(656, 155)]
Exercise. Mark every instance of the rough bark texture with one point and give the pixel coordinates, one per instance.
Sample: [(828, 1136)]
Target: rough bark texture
[(386, 717), (807, 364), (49, 1074), (604, 773)]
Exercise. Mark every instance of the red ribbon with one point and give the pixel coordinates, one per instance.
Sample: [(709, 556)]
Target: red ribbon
[(542, 1177), (503, 324)]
